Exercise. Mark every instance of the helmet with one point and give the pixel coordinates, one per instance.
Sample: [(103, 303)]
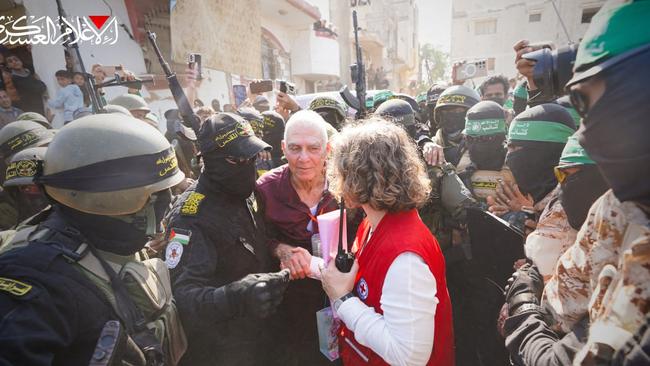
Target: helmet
[(108, 164), (20, 135), (131, 102), (434, 93), (114, 108), (23, 166), (327, 103), (410, 100), (398, 110), (36, 117), (458, 96)]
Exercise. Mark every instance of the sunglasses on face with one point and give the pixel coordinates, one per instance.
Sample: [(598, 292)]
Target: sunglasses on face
[(580, 102), (239, 161)]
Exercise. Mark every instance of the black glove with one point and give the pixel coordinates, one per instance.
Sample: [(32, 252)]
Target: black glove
[(524, 287), (257, 294)]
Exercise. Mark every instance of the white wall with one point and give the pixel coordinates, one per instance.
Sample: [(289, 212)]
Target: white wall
[(512, 25), (312, 55), (49, 58)]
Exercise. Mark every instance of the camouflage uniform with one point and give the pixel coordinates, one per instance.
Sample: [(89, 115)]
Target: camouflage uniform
[(615, 236), (552, 237)]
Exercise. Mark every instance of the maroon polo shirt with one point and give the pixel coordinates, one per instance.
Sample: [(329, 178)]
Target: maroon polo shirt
[(285, 214)]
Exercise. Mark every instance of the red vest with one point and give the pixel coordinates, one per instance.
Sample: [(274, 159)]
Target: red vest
[(398, 233)]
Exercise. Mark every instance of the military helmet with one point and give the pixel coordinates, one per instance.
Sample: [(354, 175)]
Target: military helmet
[(20, 135), (108, 164), (456, 96), (131, 102), (319, 103), (433, 94), (411, 101), (380, 97), (36, 117), (399, 111), (114, 108), (23, 166)]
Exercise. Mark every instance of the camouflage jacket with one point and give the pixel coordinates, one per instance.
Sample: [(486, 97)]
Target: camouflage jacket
[(552, 237), (605, 274)]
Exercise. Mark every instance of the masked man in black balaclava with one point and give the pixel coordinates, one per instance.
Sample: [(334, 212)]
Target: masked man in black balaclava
[(599, 291), (485, 135), (217, 252), (535, 142), (449, 116)]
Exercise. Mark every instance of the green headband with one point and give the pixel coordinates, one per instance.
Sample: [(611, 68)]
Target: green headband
[(485, 127), (574, 154), (422, 97), (543, 131), (382, 96), (618, 27)]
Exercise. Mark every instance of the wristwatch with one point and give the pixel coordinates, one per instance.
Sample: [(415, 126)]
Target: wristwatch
[(337, 303)]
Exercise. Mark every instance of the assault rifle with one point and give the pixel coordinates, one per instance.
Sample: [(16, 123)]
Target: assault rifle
[(184, 109), (358, 75)]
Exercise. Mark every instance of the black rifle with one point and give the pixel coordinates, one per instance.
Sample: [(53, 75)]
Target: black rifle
[(358, 75), (73, 50), (184, 109), (343, 260)]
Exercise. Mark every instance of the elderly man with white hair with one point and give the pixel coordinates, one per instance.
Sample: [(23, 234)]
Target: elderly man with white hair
[(291, 196)]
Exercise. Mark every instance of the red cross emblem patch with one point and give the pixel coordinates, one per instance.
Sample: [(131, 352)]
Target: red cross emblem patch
[(362, 289)]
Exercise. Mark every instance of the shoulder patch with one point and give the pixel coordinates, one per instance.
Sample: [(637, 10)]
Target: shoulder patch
[(14, 287), (191, 204), (173, 254)]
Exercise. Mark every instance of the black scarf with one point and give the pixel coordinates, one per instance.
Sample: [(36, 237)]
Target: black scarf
[(579, 191), (616, 131), (532, 167), (237, 180), (487, 155)]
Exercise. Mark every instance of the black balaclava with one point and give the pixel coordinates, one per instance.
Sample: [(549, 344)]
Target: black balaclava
[(488, 155), (616, 131), (274, 132), (533, 164), (452, 124), (485, 144), (121, 235), (237, 180), (27, 204), (579, 191)]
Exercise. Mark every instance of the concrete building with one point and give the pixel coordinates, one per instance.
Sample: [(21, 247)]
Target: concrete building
[(389, 38), (487, 29)]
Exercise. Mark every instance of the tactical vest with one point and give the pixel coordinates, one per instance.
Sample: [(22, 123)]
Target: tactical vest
[(147, 282)]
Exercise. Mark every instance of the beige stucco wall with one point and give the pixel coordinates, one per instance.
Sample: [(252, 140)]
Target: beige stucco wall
[(226, 32)]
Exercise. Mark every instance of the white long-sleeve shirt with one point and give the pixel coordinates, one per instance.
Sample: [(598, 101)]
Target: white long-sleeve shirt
[(403, 335)]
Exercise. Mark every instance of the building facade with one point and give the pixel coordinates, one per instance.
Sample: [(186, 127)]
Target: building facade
[(488, 29), (389, 38)]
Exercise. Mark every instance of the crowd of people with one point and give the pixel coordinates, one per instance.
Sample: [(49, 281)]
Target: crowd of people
[(122, 245)]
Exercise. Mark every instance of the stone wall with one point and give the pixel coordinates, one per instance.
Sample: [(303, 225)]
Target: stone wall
[(226, 32)]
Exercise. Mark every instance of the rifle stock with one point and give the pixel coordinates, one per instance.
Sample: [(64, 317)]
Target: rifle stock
[(184, 108), (360, 83), (358, 74)]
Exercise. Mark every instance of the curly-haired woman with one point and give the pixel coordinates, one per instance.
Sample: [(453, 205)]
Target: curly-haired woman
[(394, 302)]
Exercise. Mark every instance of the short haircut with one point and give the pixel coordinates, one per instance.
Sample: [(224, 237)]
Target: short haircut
[(77, 73), (307, 118), (376, 163), (63, 74), (498, 79)]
